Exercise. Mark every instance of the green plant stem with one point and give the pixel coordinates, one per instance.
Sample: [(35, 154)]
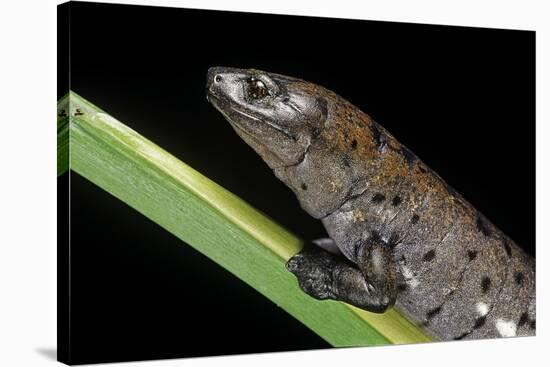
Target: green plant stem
[(215, 222)]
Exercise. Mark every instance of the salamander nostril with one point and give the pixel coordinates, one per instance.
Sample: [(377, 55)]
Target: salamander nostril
[(218, 79)]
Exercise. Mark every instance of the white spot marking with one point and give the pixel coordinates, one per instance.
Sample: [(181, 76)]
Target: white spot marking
[(482, 308), (409, 276), (346, 216), (506, 328), (407, 273)]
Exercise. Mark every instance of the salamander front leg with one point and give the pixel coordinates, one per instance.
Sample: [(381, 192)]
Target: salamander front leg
[(369, 285)]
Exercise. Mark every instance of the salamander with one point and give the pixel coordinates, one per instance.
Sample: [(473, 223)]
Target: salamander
[(399, 235)]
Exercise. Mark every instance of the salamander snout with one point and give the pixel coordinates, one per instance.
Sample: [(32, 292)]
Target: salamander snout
[(220, 80), (214, 76)]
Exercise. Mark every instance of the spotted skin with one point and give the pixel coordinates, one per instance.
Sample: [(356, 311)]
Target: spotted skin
[(399, 234)]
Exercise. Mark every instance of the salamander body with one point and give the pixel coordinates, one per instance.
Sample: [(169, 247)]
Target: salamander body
[(398, 233)]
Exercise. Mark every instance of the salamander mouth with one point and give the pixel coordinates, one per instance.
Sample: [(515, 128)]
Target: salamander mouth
[(213, 98), (228, 108), (223, 105)]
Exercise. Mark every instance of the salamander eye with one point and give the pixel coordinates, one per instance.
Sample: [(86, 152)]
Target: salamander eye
[(256, 88)]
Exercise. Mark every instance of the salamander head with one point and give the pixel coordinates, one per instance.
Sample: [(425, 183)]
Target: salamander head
[(277, 116)]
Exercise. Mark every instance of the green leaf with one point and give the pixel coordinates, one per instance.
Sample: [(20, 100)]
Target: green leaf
[(212, 220)]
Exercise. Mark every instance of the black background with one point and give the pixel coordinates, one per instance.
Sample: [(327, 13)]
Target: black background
[(461, 98)]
